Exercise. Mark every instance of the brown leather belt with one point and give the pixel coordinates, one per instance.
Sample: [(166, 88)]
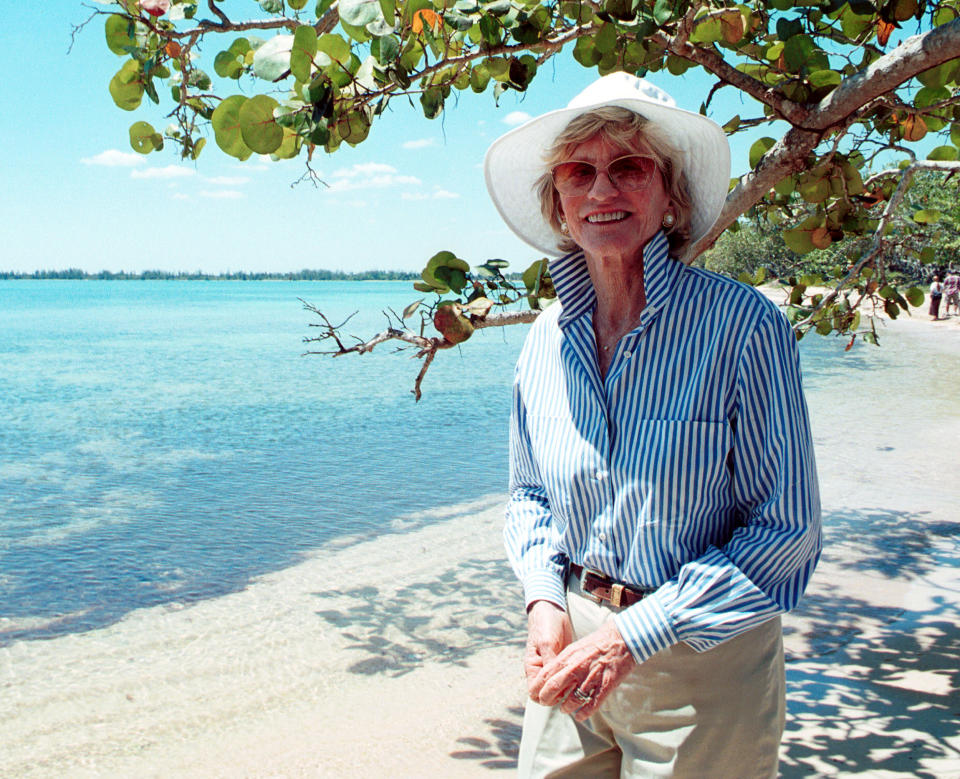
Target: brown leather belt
[(602, 588)]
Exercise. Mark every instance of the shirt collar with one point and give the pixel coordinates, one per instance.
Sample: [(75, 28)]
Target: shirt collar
[(575, 290)]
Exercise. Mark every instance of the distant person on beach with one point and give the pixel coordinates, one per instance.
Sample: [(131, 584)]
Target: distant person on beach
[(664, 508), (951, 292), (936, 295)]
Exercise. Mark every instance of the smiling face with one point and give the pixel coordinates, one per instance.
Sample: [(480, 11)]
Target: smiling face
[(608, 223)]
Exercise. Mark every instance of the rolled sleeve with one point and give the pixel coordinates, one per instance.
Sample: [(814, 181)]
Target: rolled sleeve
[(529, 535)]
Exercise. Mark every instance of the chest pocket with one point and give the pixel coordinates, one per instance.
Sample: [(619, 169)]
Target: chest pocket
[(682, 468)]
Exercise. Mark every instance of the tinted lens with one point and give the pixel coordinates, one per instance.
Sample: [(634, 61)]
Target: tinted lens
[(573, 177), (631, 173), (628, 174)]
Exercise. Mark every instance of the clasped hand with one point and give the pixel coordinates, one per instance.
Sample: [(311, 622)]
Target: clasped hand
[(556, 665)]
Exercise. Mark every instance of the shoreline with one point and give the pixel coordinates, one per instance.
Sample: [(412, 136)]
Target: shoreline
[(400, 656)]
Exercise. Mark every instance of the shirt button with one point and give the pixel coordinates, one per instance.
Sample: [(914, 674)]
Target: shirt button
[(627, 354), (601, 475), (602, 536)]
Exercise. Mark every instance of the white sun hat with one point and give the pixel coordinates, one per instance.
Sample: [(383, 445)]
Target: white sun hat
[(514, 162)]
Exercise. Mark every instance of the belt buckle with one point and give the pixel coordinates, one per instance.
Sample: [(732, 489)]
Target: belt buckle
[(584, 573), (615, 598)]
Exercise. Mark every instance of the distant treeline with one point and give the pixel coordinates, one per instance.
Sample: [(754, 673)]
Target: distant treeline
[(154, 275)]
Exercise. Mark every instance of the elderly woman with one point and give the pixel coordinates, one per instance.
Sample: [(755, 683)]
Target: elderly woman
[(664, 508)]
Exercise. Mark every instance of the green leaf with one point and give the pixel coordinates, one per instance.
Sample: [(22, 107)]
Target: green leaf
[(732, 125), (479, 78), (226, 127), (926, 216), (798, 241), (432, 102), (709, 29), (258, 128), (678, 66), (117, 31), (126, 87), (272, 60), (385, 49), (334, 46), (226, 65), (531, 276), (943, 153), (798, 52), (758, 149), (663, 11), (389, 10), (825, 78), (584, 52), (144, 139), (454, 278), (297, 5), (304, 49), (272, 6), (421, 286), (787, 28), (606, 39), (915, 296), (815, 190)]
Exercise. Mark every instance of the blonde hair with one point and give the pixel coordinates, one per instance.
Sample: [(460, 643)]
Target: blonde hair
[(633, 133)]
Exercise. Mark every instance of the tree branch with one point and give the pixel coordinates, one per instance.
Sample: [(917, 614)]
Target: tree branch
[(913, 56), (428, 347)]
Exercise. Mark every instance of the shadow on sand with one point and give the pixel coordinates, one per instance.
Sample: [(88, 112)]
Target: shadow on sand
[(876, 686), (445, 619)]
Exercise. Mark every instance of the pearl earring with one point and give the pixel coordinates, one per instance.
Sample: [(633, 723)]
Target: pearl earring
[(669, 220), (563, 228)]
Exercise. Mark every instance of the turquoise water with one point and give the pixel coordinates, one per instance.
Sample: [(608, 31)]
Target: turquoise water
[(165, 441)]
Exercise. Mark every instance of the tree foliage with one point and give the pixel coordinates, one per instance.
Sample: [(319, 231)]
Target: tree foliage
[(847, 90)]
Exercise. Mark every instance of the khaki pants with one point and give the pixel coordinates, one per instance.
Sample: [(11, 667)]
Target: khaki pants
[(716, 714)]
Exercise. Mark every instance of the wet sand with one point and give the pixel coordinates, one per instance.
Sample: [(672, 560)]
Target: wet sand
[(400, 656)]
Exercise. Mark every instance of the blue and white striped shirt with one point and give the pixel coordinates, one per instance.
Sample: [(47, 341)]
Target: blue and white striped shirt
[(687, 469)]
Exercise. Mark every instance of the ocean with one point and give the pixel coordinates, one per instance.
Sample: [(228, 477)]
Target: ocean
[(166, 441)]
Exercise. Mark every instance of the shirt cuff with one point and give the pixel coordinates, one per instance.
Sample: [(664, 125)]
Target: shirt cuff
[(545, 585), (645, 626)]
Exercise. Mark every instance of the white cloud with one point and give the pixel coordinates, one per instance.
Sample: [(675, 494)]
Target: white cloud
[(516, 117), (221, 194), (439, 194), (420, 143), (370, 175), (364, 169), (113, 158), (180, 196), (227, 181), (167, 172)]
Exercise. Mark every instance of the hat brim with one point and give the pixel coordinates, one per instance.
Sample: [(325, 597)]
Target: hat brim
[(514, 163)]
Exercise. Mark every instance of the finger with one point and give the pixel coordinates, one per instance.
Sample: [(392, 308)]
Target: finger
[(600, 685), (555, 684)]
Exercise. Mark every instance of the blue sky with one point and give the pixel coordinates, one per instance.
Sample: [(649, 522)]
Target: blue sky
[(76, 195)]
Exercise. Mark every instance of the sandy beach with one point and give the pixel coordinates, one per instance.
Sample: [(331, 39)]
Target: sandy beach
[(400, 656)]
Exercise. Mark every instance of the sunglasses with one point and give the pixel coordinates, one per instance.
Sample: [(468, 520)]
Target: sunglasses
[(628, 174)]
